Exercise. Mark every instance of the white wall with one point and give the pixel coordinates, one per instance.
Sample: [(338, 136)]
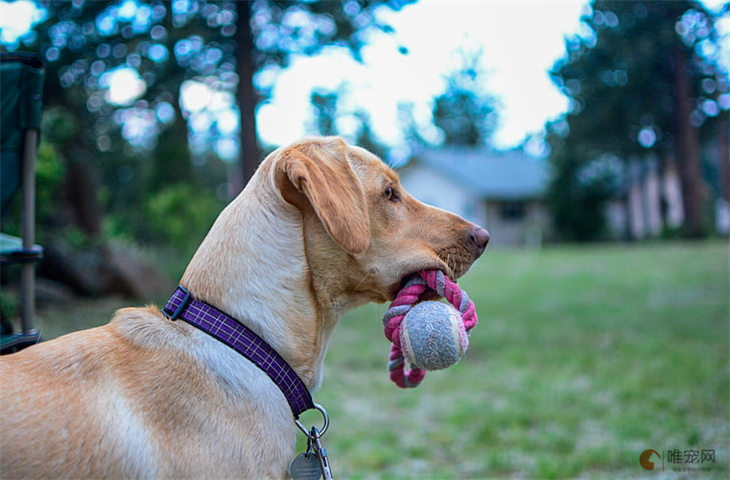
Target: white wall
[(439, 191)]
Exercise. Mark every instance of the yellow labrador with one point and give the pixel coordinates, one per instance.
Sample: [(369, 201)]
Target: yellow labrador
[(322, 227)]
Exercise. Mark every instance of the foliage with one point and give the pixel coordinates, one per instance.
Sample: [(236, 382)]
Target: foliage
[(177, 213), (49, 179), (49, 182), (624, 68), (328, 112), (623, 77), (413, 130), (577, 198), (465, 112), (325, 110), (113, 153), (137, 146), (366, 137), (284, 28)]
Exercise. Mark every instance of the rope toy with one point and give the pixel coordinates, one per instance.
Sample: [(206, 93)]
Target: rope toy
[(427, 335)]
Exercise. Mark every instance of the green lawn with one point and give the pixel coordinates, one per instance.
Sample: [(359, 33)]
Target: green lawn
[(583, 358)]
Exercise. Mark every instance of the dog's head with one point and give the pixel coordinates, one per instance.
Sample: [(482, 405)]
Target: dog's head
[(363, 232)]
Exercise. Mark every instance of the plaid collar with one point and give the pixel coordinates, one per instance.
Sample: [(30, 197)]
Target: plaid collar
[(231, 332)]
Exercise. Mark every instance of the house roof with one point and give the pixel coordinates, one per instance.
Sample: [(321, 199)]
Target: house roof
[(508, 175)]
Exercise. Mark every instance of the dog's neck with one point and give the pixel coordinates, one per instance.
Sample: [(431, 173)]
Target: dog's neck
[(253, 266)]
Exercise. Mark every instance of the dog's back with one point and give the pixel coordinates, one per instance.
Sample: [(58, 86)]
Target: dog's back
[(114, 401), (53, 392)]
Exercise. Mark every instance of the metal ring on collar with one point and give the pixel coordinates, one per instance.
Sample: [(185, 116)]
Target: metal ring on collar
[(324, 427)]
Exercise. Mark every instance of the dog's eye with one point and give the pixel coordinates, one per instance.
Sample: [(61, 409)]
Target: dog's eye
[(390, 194)]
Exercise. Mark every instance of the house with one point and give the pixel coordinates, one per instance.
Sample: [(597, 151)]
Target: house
[(501, 191)]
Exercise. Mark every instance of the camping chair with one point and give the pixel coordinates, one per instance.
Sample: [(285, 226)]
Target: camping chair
[(21, 86)]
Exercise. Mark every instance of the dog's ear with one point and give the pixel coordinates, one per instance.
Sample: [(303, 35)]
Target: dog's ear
[(320, 173)]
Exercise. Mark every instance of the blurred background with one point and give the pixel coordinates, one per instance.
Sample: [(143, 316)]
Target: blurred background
[(591, 138)]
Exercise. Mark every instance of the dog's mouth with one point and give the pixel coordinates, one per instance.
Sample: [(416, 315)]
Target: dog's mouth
[(428, 294), (452, 262)]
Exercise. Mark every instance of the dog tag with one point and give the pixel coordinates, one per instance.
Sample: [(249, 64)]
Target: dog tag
[(305, 467)]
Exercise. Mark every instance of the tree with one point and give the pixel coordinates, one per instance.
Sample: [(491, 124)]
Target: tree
[(224, 44), (83, 44), (466, 113), (644, 80), (132, 158), (578, 190), (107, 149), (327, 111), (281, 29), (366, 137)]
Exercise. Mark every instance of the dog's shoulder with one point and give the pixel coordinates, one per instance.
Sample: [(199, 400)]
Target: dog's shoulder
[(146, 327)]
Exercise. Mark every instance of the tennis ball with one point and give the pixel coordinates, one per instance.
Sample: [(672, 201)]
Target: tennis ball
[(432, 336)]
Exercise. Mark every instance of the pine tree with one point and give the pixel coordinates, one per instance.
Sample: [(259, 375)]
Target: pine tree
[(466, 113), (641, 81)]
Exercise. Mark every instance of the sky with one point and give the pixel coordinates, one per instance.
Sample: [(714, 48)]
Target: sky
[(520, 41)]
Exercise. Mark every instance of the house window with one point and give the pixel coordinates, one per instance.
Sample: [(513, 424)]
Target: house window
[(512, 210)]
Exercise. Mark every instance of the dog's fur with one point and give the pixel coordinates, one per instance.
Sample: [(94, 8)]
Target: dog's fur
[(322, 227)]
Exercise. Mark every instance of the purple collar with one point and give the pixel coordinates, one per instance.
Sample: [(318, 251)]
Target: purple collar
[(231, 332)]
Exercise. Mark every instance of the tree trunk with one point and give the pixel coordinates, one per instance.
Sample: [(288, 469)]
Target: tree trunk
[(82, 198), (687, 146), (249, 152), (723, 147)]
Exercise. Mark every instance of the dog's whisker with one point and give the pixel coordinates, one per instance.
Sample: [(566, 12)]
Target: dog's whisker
[(362, 280)]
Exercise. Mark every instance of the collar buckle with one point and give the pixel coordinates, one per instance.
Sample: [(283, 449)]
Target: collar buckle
[(173, 315)]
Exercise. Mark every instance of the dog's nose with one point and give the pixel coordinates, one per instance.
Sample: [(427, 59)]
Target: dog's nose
[(479, 238)]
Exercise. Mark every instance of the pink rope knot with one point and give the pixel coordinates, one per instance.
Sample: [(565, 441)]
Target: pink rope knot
[(408, 296)]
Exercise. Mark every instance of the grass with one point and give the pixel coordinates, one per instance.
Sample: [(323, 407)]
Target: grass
[(583, 358)]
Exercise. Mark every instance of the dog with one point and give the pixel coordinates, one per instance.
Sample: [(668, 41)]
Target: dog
[(322, 227)]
